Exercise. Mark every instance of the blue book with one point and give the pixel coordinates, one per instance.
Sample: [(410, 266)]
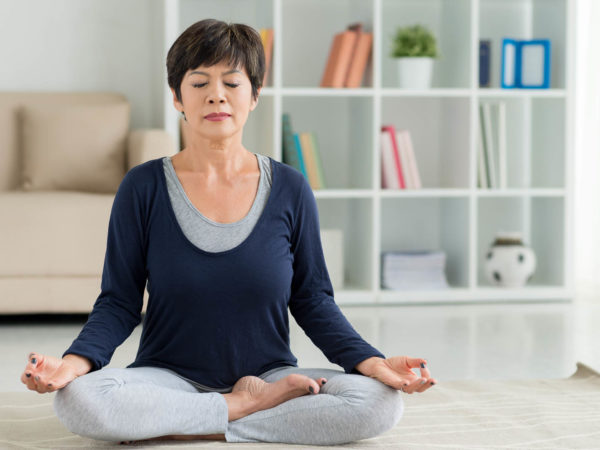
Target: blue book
[(484, 62), (292, 154)]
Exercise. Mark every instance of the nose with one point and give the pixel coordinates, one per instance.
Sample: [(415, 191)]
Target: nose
[(216, 95)]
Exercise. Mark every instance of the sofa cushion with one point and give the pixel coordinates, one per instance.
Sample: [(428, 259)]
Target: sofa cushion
[(53, 233), (74, 147)]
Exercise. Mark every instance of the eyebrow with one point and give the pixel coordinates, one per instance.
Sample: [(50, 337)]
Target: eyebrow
[(224, 73)]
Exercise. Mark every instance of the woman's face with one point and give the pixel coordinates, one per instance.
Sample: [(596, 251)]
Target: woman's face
[(216, 89)]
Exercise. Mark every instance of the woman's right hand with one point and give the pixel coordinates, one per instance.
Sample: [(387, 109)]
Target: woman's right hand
[(45, 373)]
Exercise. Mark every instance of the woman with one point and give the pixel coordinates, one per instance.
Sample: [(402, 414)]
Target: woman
[(227, 241)]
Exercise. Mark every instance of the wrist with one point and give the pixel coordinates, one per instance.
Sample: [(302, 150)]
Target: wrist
[(81, 364), (366, 366)]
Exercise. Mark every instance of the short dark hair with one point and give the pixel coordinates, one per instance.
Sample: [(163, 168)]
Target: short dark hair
[(209, 42)]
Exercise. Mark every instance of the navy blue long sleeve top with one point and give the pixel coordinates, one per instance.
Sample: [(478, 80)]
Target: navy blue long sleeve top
[(214, 317)]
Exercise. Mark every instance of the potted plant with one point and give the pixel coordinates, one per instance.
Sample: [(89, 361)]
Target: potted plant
[(415, 47)]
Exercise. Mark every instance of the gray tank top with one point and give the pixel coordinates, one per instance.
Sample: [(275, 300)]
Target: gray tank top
[(205, 233)]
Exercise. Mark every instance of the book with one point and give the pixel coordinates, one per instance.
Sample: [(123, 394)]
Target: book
[(488, 139), (484, 62), (266, 36), (481, 160), (502, 143), (298, 146), (389, 179), (292, 155), (317, 153), (309, 160), (359, 58), (396, 154), (402, 151), (412, 161), (419, 269), (339, 59)]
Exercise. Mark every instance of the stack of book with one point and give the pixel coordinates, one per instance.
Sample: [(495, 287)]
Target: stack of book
[(348, 56), (301, 151), (266, 36), (413, 270), (398, 163), (491, 167)]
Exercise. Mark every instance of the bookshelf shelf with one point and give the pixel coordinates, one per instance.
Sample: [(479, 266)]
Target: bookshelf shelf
[(522, 93), (450, 213)]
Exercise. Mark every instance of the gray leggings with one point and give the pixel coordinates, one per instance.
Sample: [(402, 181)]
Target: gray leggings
[(114, 404)]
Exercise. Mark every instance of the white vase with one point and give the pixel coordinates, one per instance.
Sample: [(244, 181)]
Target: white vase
[(415, 72), (508, 262)]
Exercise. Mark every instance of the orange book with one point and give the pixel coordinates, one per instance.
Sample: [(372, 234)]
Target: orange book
[(359, 59), (266, 35), (333, 50), (309, 160), (343, 58)]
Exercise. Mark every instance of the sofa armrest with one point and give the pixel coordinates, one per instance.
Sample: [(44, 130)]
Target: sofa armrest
[(146, 144)]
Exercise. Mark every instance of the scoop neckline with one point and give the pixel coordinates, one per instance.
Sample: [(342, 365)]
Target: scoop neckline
[(243, 220), (261, 218)]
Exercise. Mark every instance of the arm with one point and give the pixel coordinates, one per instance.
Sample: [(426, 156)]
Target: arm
[(311, 302), (117, 310)]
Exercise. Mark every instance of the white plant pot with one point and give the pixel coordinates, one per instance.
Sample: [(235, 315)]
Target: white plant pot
[(415, 72)]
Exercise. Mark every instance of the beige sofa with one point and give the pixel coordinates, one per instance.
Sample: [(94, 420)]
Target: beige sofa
[(62, 157)]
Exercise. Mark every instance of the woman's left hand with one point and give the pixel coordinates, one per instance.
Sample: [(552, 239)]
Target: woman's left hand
[(396, 372)]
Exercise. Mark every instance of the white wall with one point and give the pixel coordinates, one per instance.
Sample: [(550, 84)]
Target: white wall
[(587, 148), (86, 45)]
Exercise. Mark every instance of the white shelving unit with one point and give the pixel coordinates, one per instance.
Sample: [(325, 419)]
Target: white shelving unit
[(450, 213)]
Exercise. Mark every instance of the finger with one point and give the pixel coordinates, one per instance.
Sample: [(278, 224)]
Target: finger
[(415, 363), (28, 380), (416, 384), (426, 384), (424, 370), (40, 383), (33, 361)]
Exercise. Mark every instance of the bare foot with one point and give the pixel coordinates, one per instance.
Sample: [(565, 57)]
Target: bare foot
[(263, 395)]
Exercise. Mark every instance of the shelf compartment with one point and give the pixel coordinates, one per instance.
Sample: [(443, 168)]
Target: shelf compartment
[(309, 27), (535, 141), (439, 129), (354, 218), (344, 127), (540, 220), (525, 19), (256, 13), (429, 224), (450, 23)]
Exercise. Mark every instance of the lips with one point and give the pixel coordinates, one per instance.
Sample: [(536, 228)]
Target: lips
[(217, 115)]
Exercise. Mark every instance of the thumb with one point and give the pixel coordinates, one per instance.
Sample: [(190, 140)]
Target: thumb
[(62, 376)]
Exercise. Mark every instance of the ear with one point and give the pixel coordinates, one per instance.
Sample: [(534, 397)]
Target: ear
[(176, 103), (255, 102)]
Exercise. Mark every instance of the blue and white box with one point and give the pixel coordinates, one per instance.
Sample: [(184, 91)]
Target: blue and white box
[(525, 64)]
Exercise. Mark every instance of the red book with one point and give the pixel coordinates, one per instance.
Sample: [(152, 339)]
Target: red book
[(390, 129)]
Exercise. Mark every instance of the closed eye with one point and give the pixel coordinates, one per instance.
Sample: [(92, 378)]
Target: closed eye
[(204, 84)]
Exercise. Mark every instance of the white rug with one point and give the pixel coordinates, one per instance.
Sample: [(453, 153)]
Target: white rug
[(528, 414)]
